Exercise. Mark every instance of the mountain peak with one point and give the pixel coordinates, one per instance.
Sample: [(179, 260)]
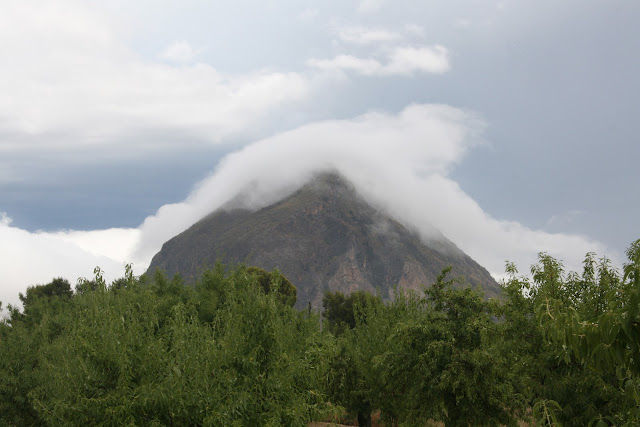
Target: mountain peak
[(324, 236)]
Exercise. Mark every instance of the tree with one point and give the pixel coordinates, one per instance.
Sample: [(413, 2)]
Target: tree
[(58, 287), (340, 310), (43, 302), (358, 322), (599, 329), (449, 362), (557, 385), (23, 336), (157, 354), (275, 281), (20, 346)]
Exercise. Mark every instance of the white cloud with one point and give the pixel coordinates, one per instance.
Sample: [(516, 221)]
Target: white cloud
[(117, 244), (364, 35), (399, 162), (406, 60), (36, 258), (180, 52), (69, 81), (5, 220), (400, 61)]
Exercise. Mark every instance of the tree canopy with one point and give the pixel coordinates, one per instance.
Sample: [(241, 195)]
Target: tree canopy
[(555, 348)]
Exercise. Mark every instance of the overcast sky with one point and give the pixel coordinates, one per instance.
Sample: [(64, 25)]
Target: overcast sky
[(510, 126)]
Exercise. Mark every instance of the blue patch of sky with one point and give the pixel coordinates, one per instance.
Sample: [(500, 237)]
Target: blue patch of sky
[(93, 196)]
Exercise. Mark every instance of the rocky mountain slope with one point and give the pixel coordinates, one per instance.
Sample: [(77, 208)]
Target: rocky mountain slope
[(322, 237)]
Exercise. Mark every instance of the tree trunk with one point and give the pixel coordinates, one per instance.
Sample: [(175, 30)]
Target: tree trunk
[(364, 418)]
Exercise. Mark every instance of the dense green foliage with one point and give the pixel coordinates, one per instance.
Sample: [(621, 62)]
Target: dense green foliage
[(554, 349), (594, 320), (275, 282), (154, 352), (354, 378), (449, 359)]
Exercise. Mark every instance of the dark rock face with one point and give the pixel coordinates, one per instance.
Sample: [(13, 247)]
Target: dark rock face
[(323, 237)]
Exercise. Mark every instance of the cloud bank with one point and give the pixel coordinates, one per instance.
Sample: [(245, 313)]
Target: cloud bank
[(399, 162), (36, 258), (69, 81)]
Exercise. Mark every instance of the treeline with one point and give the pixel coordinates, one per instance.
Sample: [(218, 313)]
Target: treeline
[(556, 349)]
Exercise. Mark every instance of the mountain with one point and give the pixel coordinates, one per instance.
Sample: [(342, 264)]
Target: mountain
[(322, 237)]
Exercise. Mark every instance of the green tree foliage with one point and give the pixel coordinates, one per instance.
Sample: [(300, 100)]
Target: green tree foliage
[(160, 353), (58, 287), (445, 361), (596, 325), (452, 356), (56, 292), (340, 311), (22, 335), (558, 348), (360, 330), (19, 351), (560, 388), (417, 358), (275, 281)]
